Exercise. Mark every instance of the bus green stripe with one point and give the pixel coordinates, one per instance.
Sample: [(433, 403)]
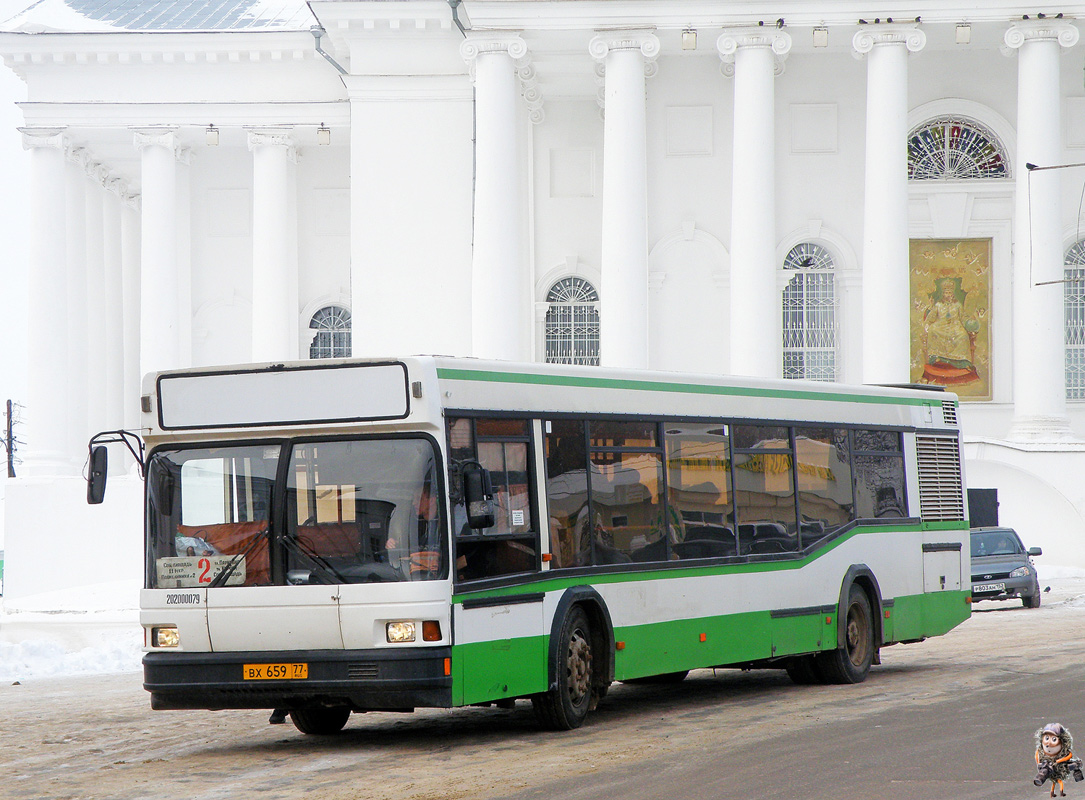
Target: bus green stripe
[(487, 671), (584, 381)]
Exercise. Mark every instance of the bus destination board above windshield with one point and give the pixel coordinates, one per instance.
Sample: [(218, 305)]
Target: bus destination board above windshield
[(283, 396)]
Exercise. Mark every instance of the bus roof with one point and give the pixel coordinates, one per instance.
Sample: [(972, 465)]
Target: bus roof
[(337, 392)]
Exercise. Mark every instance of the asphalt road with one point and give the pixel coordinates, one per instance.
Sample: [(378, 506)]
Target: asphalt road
[(952, 717)]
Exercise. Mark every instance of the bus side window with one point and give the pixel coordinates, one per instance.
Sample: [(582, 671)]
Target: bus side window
[(879, 474), (510, 545), (567, 494), (764, 490)]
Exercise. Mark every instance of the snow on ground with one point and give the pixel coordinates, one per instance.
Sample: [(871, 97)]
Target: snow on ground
[(95, 629)]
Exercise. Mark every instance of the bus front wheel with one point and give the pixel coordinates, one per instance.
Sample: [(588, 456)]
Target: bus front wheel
[(568, 701), (320, 721), (851, 662)]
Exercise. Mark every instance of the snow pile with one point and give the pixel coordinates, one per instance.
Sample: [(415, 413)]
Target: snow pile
[(83, 631), (47, 657)]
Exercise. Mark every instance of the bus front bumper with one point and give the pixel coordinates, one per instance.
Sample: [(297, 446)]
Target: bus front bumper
[(364, 680)]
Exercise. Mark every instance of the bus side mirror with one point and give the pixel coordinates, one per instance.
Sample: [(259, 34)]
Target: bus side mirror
[(96, 474), (479, 495)]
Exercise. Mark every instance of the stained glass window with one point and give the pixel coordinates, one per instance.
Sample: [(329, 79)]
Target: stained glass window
[(953, 149), (332, 339), (1074, 315), (809, 314), (572, 323)]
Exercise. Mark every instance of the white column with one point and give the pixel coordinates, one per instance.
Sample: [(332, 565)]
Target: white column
[(184, 254), (886, 339), (130, 277), (78, 317), (45, 451), (626, 57), (159, 343), (500, 284), (754, 56), (274, 247), (1039, 377), (97, 312), (113, 310)]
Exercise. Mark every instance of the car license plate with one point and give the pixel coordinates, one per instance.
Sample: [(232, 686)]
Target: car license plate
[(980, 588), (275, 672)]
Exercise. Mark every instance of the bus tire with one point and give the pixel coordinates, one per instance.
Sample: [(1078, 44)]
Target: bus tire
[(565, 705), (851, 661), (320, 721)]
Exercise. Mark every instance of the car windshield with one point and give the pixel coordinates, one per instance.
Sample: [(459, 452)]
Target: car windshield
[(995, 543), (349, 511)]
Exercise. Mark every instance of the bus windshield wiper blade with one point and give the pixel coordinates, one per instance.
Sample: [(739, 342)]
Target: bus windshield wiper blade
[(228, 570), (315, 558)]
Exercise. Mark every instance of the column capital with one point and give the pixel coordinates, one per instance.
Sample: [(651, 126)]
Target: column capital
[(493, 43), (273, 137), (734, 39), (1040, 30), (883, 34), (43, 137), (605, 42), (159, 135)]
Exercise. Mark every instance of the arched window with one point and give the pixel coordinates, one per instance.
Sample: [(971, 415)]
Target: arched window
[(572, 323), (955, 148), (332, 339), (1074, 317), (809, 314)]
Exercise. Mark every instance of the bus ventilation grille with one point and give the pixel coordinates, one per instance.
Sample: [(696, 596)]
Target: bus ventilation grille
[(949, 412), (941, 495), (362, 671)]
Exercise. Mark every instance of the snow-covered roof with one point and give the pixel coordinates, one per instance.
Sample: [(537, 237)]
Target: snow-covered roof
[(101, 16)]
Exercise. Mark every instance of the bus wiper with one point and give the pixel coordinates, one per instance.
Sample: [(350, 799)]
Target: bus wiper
[(315, 558), (228, 570)]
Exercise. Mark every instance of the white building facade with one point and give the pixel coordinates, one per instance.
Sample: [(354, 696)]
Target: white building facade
[(806, 190)]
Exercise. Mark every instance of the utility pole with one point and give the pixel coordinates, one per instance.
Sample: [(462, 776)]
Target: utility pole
[(9, 441)]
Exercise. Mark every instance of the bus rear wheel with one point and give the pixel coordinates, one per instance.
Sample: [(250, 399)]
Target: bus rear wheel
[(851, 662), (568, 701), (320, 721)]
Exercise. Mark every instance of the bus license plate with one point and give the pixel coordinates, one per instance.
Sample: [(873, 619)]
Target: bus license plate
[(989, 587), (275, 672)]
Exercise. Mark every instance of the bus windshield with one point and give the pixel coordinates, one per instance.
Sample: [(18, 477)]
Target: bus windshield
[(344, 511)]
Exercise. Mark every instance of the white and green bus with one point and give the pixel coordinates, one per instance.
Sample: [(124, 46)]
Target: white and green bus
[(363, 535)]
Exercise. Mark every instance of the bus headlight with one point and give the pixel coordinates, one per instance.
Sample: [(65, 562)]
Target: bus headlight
[(165, 637), (400, 632)]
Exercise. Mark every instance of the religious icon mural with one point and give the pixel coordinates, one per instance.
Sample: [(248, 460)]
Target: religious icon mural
[(950, 293)]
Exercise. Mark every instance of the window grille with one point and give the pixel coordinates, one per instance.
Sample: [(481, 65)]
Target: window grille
[(955, 148), (332, 339), (809, 314), (1074, 318), (572, 323)]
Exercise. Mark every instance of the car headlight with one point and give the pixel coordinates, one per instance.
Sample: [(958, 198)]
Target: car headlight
[(1020, 572), (400, 632)]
